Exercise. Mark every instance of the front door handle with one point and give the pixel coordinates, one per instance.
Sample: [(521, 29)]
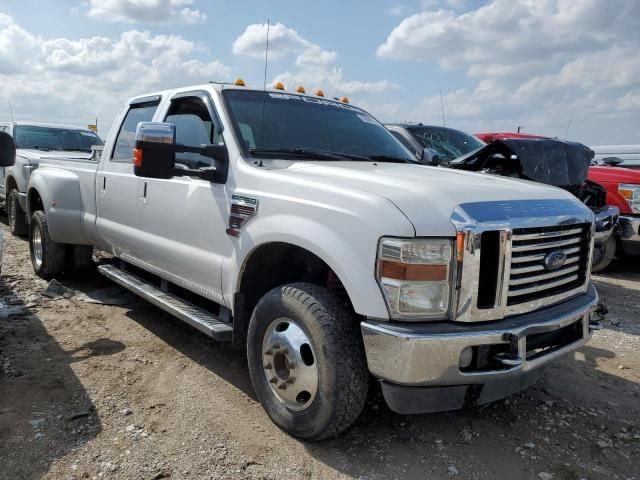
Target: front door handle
[(103, 188)]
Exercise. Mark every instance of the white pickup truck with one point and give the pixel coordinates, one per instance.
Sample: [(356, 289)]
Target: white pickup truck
[(299, 228)]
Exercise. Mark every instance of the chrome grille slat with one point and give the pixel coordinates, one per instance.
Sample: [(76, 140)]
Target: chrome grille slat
[(543, 235), (538, 267), (540, 256), (529, 280), (545, 286), (550, 245), (546, 276)]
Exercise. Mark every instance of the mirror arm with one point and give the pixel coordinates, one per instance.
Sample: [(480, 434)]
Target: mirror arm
[(208, 173)]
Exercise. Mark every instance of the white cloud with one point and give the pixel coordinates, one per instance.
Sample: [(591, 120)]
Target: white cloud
[(534, 62), (71, 81), (314, 65), (145, 11), (283, 42)]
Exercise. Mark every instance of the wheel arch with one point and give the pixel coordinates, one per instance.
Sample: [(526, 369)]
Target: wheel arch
[(264, 269)]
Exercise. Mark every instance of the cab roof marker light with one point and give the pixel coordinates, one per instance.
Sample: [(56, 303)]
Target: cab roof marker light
[(318, 93), (239, 82), (344, 99), (300, 89), (278, 86)]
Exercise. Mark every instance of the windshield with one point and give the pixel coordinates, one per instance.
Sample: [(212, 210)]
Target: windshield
[(287, 124), (449, 143), (52, 138)]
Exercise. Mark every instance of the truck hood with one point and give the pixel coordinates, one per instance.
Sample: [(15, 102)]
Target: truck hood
[(426, 195), (545, 160), (35, 156), (614, 175)]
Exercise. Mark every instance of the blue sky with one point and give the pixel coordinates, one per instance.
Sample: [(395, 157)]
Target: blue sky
[(498, 63)]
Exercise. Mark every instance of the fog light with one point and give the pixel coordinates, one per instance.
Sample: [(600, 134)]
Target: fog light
[(466, 357)]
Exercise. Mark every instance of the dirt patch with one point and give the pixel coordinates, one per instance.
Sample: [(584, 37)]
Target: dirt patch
[(89, 390)]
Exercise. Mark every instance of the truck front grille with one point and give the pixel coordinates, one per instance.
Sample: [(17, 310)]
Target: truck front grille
[(529, 278)]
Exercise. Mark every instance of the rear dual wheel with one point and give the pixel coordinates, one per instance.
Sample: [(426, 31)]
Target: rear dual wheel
[(307, 361), (49, 258)]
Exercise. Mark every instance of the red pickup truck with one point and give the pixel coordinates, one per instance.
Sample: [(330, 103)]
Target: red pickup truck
[(623, 191)]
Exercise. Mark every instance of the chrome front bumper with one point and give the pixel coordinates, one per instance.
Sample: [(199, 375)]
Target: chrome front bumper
[(428, 354), (629, 230)]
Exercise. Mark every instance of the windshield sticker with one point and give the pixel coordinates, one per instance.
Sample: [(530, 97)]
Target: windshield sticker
[(318, 101), (366, 118)]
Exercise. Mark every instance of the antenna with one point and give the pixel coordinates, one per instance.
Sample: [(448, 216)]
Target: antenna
[(568, 125), (266, 55), (520, 128), (11, 110), (444, 124)]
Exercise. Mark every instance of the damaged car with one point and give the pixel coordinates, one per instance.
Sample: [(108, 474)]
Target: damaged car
[(546, 160)]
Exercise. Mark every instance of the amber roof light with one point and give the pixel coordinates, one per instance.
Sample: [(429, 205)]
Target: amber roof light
[(278, 86), (239, 82), (319, 93)]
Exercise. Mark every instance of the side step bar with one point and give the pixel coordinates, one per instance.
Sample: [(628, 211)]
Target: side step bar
[(185, 311)]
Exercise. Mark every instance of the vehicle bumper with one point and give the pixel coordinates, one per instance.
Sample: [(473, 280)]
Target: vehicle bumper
[(419, 364), (629, 230), (606, 220)]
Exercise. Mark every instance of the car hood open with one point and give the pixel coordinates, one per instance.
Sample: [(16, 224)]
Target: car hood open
[(545, 160)]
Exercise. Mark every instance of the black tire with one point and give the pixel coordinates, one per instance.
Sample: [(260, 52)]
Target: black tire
[(79, 259), (604, 255), (50, 261), (339, 355), (17, 218)]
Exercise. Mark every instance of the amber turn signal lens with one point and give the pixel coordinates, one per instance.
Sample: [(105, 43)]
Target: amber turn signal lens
[(137, 157), (413, 271), (460, 246)]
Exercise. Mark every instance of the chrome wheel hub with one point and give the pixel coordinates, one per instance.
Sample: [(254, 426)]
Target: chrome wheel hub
[(289, 364), (36, 246)]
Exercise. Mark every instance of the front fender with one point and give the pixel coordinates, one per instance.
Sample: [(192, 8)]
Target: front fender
[(348, 249), (59, 191)]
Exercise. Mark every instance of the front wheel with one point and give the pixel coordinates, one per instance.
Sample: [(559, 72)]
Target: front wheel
[(47, 256), (17, 218), (307, 361)]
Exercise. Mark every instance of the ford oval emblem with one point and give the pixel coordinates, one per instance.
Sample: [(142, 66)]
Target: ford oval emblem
[(554, 260)]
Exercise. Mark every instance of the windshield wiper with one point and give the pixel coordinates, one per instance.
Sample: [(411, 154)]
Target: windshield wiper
[(308, 153), (38, 147), (390, 158), (75, 150)]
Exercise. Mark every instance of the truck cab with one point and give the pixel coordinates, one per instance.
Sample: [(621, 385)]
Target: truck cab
[(298, 228)]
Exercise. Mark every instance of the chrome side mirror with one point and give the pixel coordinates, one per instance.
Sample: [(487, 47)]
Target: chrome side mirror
[(153, 155), (430, 157)]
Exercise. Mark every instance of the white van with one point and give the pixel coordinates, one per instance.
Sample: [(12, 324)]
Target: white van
[(630, 154)]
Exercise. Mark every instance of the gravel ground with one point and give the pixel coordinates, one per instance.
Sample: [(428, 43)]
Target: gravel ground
[(127, 392)]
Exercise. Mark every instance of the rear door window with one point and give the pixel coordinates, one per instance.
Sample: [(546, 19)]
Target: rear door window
[(123, 151)]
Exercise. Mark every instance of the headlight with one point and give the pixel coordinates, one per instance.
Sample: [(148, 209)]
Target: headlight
[(415, 277), (631, 193)]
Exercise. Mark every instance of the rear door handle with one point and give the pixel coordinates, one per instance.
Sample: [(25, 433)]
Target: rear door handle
[(142, 192), (103, 189)]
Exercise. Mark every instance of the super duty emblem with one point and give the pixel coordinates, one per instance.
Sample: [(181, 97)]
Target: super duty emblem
[(242, 209)]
